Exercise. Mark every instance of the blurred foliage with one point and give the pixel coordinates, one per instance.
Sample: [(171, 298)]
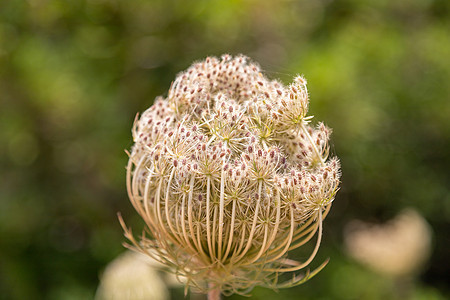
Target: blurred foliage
[(73, 74)]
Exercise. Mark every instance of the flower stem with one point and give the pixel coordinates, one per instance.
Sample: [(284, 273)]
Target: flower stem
[(213, 293)]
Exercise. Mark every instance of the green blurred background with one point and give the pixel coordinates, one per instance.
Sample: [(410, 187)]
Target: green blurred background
[(73, 74)]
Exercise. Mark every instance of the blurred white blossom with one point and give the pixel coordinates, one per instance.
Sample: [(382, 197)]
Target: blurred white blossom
[(132, 276), (398, 248)]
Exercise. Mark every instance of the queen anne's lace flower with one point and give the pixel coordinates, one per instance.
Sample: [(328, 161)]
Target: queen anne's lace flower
[(398, 248), (229, 176)]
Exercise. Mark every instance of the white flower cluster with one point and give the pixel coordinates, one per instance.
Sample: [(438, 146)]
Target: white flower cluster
[(229, 176), (398, 248)]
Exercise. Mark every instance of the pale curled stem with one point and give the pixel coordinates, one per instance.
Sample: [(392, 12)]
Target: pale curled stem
[(146, 204), (183, 225), (132, 187), (255, 219), (208, 220), (222, 196), (190, 222), (214, 231), (266, 244), (230, 239), (313, 145), (311, 257)]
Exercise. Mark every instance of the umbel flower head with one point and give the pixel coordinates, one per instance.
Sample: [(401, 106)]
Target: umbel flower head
[(229, 176), (398, 248)]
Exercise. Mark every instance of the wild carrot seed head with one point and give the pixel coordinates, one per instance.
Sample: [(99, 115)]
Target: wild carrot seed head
[(229, 176)]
